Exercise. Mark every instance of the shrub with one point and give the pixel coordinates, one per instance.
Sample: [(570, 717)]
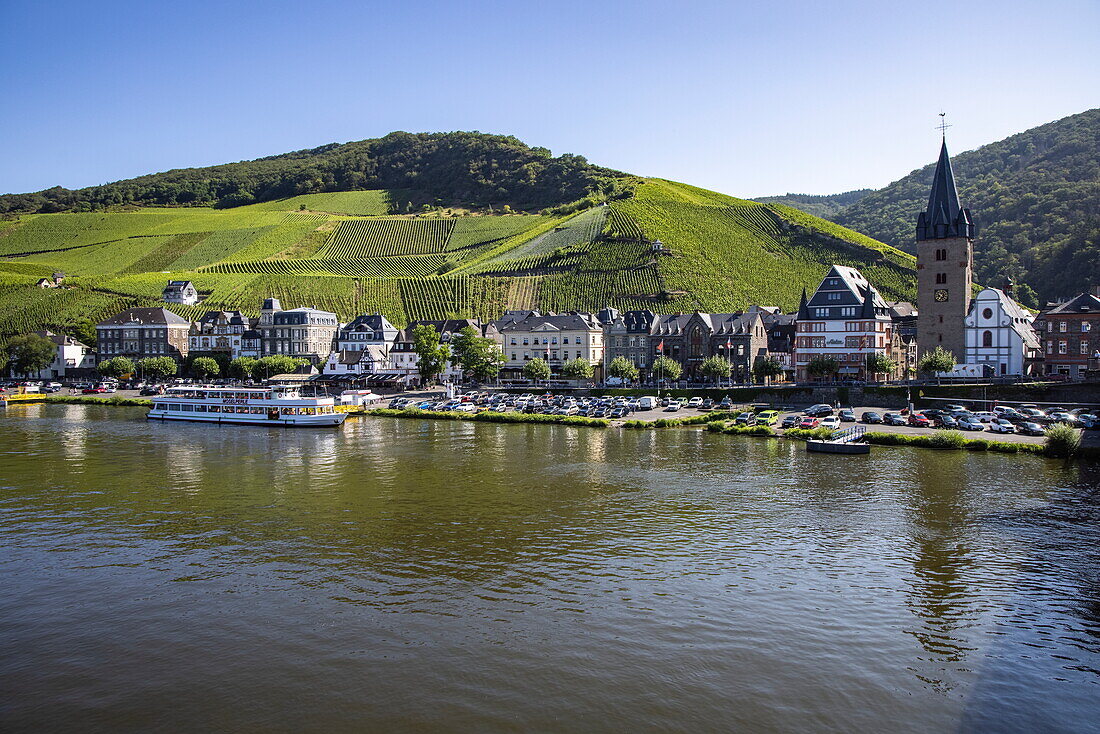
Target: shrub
[(805, 434), (944, 440), (1062, 441)]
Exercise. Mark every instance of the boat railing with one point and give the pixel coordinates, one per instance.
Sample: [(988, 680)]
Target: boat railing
[(848, 435)]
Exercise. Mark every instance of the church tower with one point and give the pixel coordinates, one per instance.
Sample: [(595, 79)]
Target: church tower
[(945, 265)]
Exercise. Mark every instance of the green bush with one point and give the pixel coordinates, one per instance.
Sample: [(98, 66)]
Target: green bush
[(943, 440), (95, 400), (492, 417), (805, 434), (1062, 441)]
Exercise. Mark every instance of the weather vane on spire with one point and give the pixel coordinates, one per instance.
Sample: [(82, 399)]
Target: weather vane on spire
[(942, 127)]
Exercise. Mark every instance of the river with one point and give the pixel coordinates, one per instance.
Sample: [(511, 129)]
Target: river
[(406, 575)]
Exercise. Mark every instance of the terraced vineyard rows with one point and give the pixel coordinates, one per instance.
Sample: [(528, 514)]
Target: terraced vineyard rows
[(621, 225), (396, 266), (580, 229), (365, 238)]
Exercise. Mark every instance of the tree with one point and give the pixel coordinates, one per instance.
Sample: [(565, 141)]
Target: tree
[(241, 367), (116, 367), (667, 368), (766, 367), (879, 364), (462, 346), (537, 369), (716, 367), (577, 369), (30, 353), (3, 358), (623, 369), (823, 366), (431, 355), (275, 364), (204, 367), (478, 356), (83, 330), (158, 368), (938, 360)]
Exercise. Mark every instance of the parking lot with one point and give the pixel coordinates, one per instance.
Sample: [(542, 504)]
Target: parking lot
[(619, 409)]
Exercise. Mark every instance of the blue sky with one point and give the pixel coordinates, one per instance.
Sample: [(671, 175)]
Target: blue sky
[(746, 98)]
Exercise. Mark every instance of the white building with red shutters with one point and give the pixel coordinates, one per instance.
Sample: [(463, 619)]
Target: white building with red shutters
[(847, 320)]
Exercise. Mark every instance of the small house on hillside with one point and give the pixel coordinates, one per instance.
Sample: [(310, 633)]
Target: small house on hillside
[(54, 281), (180, 291)]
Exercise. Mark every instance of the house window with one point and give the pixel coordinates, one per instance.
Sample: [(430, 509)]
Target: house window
[(822, 313), (941, 278), (1050, 348), (834, 296), (941, 254), (987, 338), (941, 321), (513, 341), (565, 340), (987, 313), (1086, 326), (1062, 326), (1084, 347), (1062, 347)]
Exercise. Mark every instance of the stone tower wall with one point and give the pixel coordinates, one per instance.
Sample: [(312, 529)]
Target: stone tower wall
[(941, 323)]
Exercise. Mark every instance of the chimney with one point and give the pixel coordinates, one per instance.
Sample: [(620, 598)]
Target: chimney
[(1008, 287)]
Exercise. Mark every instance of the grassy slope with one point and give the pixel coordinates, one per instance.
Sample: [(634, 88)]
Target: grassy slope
[(727, 253)]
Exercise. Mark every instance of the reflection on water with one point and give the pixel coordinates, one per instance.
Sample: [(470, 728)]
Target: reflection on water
[(401, 574)]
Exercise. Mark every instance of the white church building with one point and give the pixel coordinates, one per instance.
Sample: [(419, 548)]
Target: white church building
[(999, 335)]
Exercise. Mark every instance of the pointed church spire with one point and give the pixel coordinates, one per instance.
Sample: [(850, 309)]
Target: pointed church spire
[(944, 216)]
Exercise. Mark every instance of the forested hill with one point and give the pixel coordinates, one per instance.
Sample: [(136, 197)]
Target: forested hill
[(827, 206), (1035, 197), (463, 168)]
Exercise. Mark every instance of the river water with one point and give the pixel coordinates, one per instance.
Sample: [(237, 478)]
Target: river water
[(404, 575)]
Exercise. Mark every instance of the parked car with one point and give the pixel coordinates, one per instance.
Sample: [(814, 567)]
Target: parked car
[(93, 390), (790, 421), (819, 411), (944, 421), (986, 416), (51, 387), (919, 420), (1030, 428), (1001, 425), (695, 402), (673, 406), (871, 416), (746, 419), (809, 422), (971, 424), (847, 416), (894, 419), (767, 417)]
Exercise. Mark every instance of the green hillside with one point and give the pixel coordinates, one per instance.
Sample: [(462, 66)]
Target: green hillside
[(1035, 198), (722, 254), (389, 175), (820, 205)]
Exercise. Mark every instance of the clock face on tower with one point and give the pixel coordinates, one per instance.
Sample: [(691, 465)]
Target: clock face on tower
[(941, 295)]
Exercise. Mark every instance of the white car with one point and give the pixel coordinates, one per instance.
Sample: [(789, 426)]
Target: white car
[(986, 416), (673, 405), (695, 402), (1001, 425), (830, 422)]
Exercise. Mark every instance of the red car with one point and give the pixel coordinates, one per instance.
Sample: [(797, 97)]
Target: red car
[(918, 420), (93, 390), (809, 422)]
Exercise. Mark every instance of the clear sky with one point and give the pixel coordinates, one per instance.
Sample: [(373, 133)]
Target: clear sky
[(749, 99)]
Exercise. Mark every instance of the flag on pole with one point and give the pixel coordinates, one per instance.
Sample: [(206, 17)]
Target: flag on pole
[(661, 346)]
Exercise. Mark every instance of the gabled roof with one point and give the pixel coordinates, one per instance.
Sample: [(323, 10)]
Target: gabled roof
[(369, 323), (556, 322), (844, 286), (1084, 303), (145, 316), (178, 285), (61, 340)]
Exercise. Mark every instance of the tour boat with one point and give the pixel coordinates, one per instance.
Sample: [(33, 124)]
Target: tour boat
[(279, 405)]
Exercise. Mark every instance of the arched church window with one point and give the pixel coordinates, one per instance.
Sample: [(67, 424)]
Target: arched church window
[(987, 338)]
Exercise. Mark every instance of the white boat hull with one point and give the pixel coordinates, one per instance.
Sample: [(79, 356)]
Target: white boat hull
[(293, 421)]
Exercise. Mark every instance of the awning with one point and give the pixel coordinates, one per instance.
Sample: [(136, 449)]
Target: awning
[(849, 370)]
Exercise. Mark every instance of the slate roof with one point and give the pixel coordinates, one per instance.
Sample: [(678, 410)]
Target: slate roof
[(145, 316), (560, 322), (944, 217), (1084, 303), (369, 322)]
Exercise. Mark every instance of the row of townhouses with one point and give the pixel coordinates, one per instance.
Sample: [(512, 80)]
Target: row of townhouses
[(846, 321)]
